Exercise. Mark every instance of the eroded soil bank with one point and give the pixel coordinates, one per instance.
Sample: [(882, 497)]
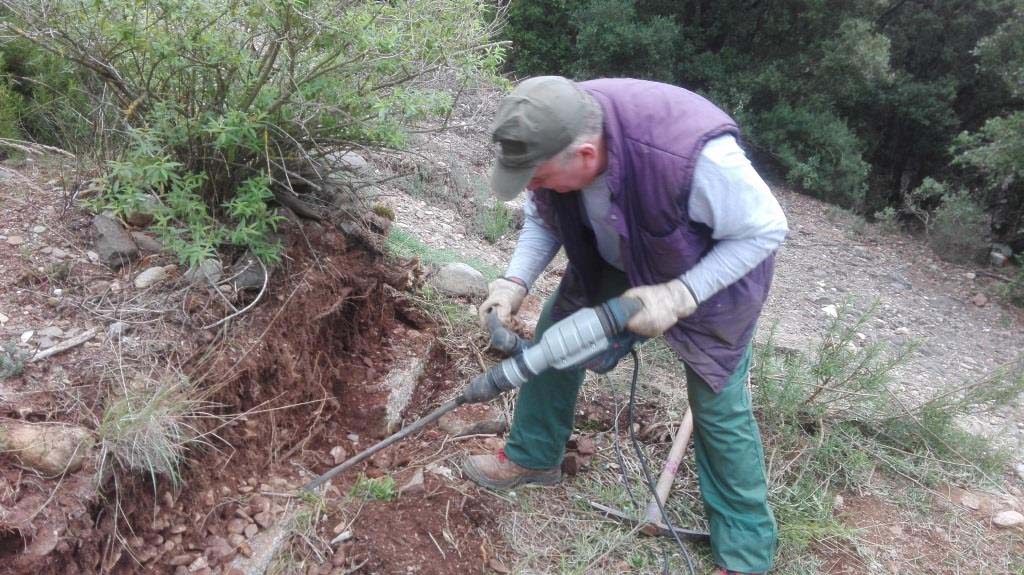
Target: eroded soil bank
[(297, 385)]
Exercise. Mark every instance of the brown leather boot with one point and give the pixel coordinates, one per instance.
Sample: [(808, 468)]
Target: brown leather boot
[(496, 471)]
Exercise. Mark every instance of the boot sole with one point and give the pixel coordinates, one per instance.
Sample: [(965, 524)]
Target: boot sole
[(540, 478)]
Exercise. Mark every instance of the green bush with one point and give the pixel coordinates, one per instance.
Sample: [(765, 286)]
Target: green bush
[(612, 40), (818, 151), (11, 105), (495, 221), (224, 103), (957, 231), (541, 36)]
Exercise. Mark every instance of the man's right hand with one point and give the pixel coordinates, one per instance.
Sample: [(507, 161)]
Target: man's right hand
[(504, 297)]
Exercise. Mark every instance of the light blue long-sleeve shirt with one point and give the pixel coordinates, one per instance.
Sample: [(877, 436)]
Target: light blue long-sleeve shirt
[(727, 195)]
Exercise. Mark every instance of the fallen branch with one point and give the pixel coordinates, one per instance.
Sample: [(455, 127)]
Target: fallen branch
[(994, 275), (65, 345)]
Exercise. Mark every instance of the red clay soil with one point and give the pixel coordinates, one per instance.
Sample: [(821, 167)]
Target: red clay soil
[(304, 369)]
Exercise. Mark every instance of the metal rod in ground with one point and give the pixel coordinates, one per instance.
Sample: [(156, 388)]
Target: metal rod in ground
[(403, 433)]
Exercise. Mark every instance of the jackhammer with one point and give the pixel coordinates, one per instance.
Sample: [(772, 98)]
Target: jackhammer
[(595, 338)]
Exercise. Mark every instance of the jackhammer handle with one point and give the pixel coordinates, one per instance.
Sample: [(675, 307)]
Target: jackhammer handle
[(620, 310), (502, 338)]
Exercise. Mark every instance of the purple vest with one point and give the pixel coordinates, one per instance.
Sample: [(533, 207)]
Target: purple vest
[(654, 134)]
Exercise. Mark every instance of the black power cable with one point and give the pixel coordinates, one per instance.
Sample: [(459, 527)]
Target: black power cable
[(647, 472)]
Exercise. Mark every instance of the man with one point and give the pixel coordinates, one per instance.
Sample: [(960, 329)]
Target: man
[(646, 187)]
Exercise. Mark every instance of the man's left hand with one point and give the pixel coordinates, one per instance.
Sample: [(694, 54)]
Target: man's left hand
[(664, 305)]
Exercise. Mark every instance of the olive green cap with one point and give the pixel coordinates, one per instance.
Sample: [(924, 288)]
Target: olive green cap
[(539, 119)]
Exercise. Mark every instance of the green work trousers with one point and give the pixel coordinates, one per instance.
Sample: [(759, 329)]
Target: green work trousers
[(727, 448)]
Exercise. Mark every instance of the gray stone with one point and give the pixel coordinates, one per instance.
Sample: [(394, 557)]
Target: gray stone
[(52, 331), (455, 425), (38, 229), (459, 279), (15, 240), (117, 330), (142, 215), (150, 276), (147, 243), (58, 253), (1020, 471), (207, 273), (45, 343), (248, 274), (414, 485), (113, 243), (401, 380), (350, 161), (263, 549), (1007, 519)]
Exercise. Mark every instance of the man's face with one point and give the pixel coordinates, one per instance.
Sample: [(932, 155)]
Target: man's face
[(567, 175)]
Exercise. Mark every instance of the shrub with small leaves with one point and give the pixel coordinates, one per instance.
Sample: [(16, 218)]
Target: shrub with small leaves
[(12, 360), (379, 488), (225, 103)]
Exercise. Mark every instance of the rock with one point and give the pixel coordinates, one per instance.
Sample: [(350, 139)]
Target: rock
[(970, 501), (248, 274), (218, 548), (459, 279), (838, 503), (15, 240), (237, 525), (585, 446), (45, 343), (998, 259), (147, 243), (58, 253), (453, 424), (260, 504), (236, 539), (902, 331), (1020, 471), (142, 214), (349, 161), (251, 530), (48, 448), (26, 336), (339, 454), (256, 555), (183, 559), (401, 381), (3, 319), (116, 330), (354, 438), (199, 563), (208, 272), (1007, 519), (830, 311), (38, 229), (264, 519), (43, 543), (93, 256), (52, 331), (151, 276), (113, 244), (980, 299), (415, 484), (970, 275)]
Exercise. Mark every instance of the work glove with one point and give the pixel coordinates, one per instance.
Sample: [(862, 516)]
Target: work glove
[(480, 389), (664, 305), (504, 297)]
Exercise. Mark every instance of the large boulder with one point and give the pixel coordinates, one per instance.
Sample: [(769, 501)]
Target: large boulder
[(113, 243)]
